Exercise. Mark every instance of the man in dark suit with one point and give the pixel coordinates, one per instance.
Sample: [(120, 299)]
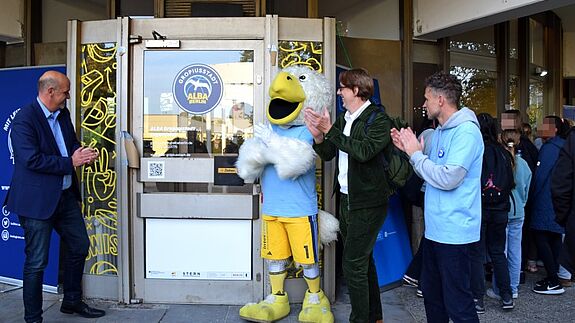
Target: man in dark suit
[(44, 193)]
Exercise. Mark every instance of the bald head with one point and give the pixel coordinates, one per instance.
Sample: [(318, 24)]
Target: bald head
[(53, 89), (51, 79)]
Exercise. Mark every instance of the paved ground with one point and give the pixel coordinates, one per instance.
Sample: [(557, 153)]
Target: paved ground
[(529, 307), (399, 305), (11, 310)]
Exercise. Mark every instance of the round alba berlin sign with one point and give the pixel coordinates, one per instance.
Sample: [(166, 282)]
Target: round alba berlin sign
[(198, 88)]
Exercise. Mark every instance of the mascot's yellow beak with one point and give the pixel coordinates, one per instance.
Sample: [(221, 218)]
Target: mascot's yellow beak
[(287, 97)]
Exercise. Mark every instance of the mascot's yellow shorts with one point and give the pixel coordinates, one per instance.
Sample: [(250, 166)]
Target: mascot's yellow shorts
[(284, 237)]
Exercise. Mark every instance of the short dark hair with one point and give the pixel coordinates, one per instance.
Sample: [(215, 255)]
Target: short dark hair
[(360, 78), (447, 84)]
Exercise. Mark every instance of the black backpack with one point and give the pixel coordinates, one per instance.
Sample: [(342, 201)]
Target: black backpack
[(497, 179), (397, 166)]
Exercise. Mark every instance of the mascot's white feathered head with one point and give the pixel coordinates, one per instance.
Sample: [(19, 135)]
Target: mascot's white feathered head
[(294, 89)]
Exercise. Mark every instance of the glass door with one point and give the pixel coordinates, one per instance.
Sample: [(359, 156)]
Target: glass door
[(197, 225)]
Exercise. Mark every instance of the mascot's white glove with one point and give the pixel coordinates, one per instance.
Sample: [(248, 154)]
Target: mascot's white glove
[(251, 159), (291, 157)]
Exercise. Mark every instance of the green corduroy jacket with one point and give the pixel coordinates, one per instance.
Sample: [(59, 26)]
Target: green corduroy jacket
[(367, 184)]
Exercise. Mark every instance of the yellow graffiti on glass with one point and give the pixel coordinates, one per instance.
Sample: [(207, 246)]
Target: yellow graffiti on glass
[(103, 268), (301, 53), (99, 180)]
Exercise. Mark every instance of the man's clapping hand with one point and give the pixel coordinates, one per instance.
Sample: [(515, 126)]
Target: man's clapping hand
[(83, 156), (405, 140)]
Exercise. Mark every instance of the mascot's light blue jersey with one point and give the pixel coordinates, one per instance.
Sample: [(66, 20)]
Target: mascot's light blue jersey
[(289, 197)]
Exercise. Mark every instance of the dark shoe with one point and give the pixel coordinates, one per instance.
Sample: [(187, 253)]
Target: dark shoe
[(507, 304), (479, 307), (549, 289), (542, 282), (419, 293), (82, 309)]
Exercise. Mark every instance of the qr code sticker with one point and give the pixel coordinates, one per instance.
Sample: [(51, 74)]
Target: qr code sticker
[(156, 169)]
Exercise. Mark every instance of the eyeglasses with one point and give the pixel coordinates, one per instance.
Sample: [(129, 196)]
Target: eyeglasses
[(341, 87)]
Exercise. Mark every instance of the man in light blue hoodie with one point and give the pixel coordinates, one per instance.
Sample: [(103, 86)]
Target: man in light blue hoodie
[(452, 173)]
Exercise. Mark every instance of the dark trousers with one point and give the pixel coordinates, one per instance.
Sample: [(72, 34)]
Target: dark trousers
[(414, 268), (359, 229), (67, 220), (493, 238), (528, 246), (445, 282), (548, 248)]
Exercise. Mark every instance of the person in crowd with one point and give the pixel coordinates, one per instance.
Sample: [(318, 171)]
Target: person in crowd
[(547, 231), (497, 183), (360, 182), (563, 198), (46, 153), (522, 175), (563, 274), (511, 120), (452, 174)]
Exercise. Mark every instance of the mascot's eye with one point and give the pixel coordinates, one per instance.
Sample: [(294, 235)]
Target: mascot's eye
[(302, 77)]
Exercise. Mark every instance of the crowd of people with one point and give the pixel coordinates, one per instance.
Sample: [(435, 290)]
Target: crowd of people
[(523, 220)]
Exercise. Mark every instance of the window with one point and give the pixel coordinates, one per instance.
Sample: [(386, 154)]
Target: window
[(473, 61)]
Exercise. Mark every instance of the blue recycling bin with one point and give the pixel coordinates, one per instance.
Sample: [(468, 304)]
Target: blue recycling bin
[(392, 250)]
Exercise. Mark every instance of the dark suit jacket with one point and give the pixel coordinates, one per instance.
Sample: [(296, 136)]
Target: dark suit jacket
[(39, 167)]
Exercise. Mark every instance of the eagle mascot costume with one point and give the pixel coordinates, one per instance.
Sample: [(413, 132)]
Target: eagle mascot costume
[(282, 157)]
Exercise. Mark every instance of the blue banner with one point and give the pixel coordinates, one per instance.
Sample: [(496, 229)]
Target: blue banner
[(19, 87)]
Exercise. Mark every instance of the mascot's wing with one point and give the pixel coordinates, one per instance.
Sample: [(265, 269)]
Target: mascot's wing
[(328, 227), (291, 157), (251, 159)]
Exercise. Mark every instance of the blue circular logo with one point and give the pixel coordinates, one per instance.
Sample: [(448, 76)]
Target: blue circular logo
[(198, 88)]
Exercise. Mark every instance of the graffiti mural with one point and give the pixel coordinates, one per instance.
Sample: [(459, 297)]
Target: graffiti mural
[(99, 180), (306, 53)]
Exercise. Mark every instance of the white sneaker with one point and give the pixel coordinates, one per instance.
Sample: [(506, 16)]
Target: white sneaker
[(410, 282)]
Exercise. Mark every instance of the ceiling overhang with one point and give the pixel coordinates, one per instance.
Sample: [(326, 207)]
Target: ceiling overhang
[(434, 19)]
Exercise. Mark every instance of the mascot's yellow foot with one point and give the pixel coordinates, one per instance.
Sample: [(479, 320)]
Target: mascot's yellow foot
[(272, 308), (315, 309)]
